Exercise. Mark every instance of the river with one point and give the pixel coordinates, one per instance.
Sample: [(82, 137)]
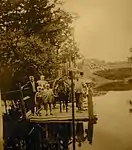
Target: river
[(114, 128)]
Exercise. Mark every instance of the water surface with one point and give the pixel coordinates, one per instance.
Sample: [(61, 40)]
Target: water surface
[(114, 128)]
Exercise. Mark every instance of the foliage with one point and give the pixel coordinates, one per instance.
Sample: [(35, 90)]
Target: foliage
[(17, 51), (21, 55), (34, 34), (68, 48)]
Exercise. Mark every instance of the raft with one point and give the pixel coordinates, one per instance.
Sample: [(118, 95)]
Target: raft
[(57, 117)]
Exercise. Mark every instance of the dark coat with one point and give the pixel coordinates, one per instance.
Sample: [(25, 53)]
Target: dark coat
[(28, 87)]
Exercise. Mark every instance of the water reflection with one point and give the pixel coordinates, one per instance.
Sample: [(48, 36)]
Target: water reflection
[(114, 128), (130, 102)]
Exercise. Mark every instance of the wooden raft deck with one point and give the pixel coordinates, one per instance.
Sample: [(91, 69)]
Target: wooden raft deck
[(58, 117)]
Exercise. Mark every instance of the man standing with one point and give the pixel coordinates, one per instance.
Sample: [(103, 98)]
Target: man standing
[(84, 86), (31, 85), (78, 93), (67, 92)]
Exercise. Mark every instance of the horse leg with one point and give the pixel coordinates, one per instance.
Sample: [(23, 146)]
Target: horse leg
[(60, 105)]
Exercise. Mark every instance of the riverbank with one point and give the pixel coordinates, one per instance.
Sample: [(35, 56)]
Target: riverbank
[(115, 73), (117, 79), (107, 73)]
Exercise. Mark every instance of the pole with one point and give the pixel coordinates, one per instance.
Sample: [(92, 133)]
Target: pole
[(5, 103), (22, 103), (73, 115), (74, 60), (91, 116), (90, 104), (1, 124)]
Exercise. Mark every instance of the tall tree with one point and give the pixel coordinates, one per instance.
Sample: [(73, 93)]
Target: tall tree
[(34, 34), (21, 56)]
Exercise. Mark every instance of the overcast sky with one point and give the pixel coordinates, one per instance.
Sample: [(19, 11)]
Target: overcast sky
[(104, 29)]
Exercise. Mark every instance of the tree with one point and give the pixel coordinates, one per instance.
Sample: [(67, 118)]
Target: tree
[(130, 57), (21, 55), (33, 36)]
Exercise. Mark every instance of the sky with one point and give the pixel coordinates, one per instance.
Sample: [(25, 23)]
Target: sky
[(104, 28)]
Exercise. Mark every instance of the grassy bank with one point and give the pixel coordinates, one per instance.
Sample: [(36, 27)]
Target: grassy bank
[(115, 86), (110, 78), (115, 74)]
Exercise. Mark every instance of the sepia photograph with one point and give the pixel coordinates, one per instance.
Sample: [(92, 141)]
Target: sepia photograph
[(65, 75)]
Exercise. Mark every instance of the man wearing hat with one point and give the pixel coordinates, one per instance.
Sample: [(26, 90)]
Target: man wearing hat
[(31, 85), (78, 92)]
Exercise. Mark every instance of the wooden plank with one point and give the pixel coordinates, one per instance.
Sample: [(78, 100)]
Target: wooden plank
[(57, 117), (57, 114), (56, 121), (60, 120), (90, 104)]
